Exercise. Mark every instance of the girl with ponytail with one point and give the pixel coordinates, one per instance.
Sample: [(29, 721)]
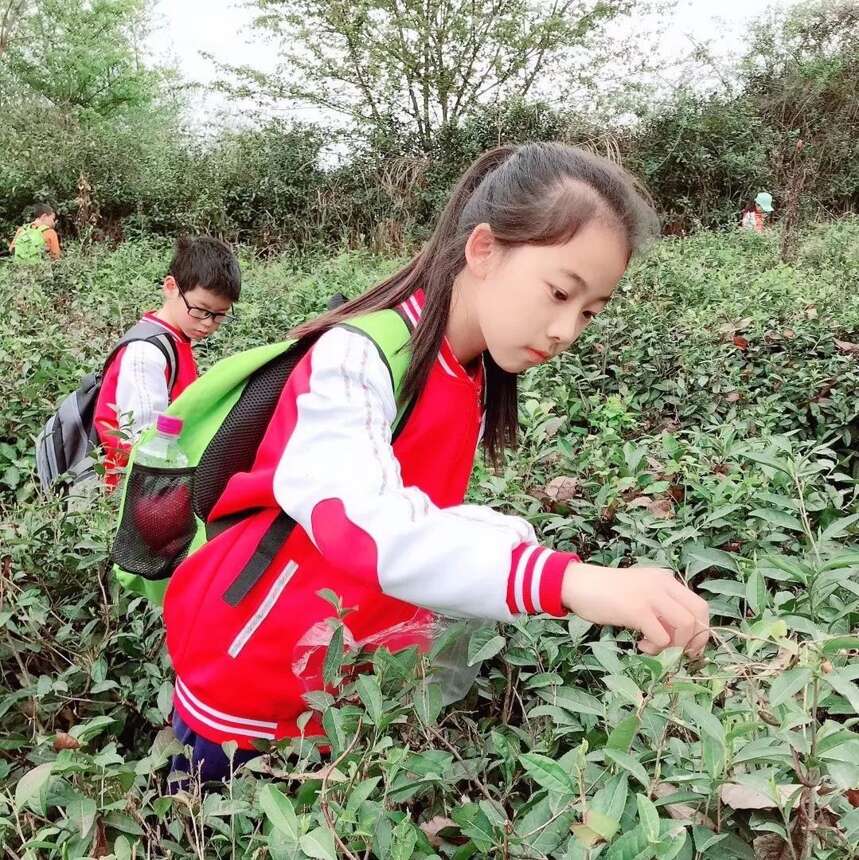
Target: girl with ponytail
[(528, 250)]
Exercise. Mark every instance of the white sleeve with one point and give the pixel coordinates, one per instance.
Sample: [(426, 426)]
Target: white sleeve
[(141, 386), (339, 479)]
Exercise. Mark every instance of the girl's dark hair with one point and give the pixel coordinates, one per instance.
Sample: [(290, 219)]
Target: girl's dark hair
[(537, 193), (40, 209), (206, 262)]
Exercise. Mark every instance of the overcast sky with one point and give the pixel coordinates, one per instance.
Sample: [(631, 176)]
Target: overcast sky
[(187, 29)]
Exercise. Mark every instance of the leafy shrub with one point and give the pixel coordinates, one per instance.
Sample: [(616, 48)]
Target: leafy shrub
[(707, 421)]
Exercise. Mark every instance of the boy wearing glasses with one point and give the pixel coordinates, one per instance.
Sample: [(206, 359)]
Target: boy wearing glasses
[(202, 284)]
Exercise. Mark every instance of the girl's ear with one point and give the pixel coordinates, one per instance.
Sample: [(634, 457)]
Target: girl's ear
[(171, 288), (480, 250)]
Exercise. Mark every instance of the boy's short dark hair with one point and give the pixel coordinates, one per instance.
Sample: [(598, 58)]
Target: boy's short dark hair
[(41, 209), (206, 262)]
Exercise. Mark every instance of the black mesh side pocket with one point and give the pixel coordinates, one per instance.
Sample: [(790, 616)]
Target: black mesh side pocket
[(157, 524)]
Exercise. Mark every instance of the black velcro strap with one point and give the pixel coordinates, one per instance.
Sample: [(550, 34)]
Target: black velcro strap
[(258, 563), (403, 316), (404, 418), (214, 528)]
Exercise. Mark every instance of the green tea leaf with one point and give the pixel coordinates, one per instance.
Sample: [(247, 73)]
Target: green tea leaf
[(333, 656), (547, 773), (319, 844), (630, 764), (484, 644), (844, 687), (371, 695), (622, 735), (648, 816), (32, 783), (279, 811), (702, 557), (789, 684)]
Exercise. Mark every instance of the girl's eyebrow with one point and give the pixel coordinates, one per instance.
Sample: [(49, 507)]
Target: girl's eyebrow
[(575, 276)]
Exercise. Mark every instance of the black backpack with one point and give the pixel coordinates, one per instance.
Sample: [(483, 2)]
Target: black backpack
[(66, 443)]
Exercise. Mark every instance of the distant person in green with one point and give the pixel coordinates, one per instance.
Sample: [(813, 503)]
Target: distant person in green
[(755, 214), (37, 240)]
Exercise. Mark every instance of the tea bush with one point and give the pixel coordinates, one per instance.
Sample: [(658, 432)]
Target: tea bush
[(707, 421)]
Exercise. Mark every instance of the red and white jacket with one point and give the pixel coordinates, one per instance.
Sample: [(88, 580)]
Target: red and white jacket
[(382, 526), (135, 389)]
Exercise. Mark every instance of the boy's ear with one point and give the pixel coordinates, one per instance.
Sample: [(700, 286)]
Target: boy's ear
[(171, 288), (479, 250)]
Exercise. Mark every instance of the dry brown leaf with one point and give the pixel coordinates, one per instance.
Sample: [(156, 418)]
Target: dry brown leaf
[(732, 396), (811, 312), (745, 797), (739, 325), (553, 425), (332, 774), (662, 509), (100, 847), (561, 489), (846, 346), (640, 502), (771, 847), (681, 811), (64, 741), (741, 342), (433, 828)]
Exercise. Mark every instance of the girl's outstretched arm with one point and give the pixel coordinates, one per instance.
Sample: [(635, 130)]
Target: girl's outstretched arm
[(339, 479)]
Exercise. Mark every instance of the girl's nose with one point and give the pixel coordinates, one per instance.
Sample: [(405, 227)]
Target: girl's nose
[(565, 331)]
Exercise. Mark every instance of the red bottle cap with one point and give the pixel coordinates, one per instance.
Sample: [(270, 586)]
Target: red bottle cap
[(169, 425)]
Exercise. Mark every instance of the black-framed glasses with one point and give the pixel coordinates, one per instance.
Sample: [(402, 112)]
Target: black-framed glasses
[(205, 314)]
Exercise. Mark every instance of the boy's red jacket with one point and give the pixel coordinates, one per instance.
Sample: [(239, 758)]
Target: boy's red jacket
[(135, 385), (383, 527)]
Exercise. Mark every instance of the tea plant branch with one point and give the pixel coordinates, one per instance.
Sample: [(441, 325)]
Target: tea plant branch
[(14, 807), (323, 800), (195, 834), (506, 711), (812, 791), (473, 779)]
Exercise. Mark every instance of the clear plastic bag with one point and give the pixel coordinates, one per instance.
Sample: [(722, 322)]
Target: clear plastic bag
[(447, 638)]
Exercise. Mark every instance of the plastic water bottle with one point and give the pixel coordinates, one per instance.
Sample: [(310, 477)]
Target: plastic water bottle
[(162, 450)]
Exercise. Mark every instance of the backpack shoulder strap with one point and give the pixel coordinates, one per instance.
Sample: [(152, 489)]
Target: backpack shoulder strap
[(158, 337), (167, 345), (391, 334)]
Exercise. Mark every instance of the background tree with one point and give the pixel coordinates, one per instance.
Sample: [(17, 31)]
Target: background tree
[(804, 79), (80, 108), (412, 66)]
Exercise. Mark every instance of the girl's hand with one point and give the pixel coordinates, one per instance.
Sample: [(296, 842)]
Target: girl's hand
[(648, 599)]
